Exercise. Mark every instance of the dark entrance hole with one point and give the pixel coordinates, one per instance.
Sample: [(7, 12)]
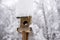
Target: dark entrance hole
[(25, 23)]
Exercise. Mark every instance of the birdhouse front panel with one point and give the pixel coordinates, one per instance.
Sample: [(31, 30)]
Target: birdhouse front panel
[(25, 22)]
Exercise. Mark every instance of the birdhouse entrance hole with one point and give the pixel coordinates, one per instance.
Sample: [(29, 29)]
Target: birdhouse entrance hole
[(25, 23)]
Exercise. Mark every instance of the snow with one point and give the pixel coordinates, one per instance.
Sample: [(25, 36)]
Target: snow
[(9, 23)]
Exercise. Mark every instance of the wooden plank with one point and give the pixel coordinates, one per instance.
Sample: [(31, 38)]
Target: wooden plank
[(25, 35)]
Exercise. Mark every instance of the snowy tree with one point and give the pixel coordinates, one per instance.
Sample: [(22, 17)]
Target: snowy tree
[(45, 20)]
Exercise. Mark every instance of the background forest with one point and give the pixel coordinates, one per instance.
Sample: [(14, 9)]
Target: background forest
[(45, 19)]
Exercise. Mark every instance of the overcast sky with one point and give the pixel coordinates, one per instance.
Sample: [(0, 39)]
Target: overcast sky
[(24, 7)]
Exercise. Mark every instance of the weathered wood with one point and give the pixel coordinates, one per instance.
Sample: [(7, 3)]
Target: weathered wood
[(24, 27), (25, 35)]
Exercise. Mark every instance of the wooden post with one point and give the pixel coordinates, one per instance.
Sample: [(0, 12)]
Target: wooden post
[(24, 27), (23, 35)]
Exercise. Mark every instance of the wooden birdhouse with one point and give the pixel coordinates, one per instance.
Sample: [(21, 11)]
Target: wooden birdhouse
[(24, 24)]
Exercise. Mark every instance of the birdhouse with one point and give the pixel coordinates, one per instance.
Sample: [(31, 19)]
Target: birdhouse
[(24, 24)]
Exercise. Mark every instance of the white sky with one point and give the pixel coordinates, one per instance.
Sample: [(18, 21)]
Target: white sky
[(9, 2), (24, 7)]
